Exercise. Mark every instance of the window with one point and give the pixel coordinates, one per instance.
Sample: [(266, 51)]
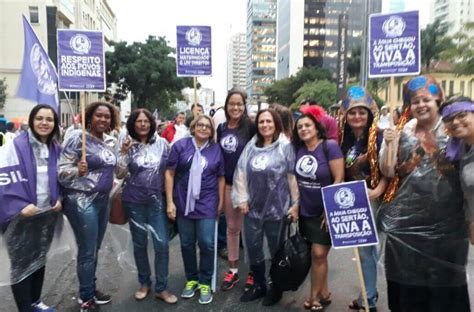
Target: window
[(34, 15), (443, 84), (462, 86), (451, 88)]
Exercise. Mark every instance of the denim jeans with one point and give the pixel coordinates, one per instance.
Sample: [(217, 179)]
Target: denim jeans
[(150, 217), (202, 232), (369, 255), (88, 215)]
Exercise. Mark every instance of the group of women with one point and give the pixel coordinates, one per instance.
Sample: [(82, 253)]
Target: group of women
[(259, 175)]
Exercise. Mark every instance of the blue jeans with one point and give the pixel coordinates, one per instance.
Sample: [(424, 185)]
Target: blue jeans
[(202, 232), (369, 255), (88, 216), (150, 217)]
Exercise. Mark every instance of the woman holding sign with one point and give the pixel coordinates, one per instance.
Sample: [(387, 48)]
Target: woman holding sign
[(319, 162), (458, 118), (87, 184), (360, 144), (30, 201), (422, 214)]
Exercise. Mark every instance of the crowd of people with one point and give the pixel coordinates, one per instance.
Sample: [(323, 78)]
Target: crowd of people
[(258, 175)]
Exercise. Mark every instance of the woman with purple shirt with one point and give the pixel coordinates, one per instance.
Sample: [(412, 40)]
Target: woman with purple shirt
[(232, 136), (143, 156), (265, 191), (194, 183), (86, 186), (319, 162)]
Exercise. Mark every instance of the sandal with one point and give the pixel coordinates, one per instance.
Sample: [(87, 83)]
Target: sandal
[(325, 301), (316, 306), (354, 305), (308, 303)]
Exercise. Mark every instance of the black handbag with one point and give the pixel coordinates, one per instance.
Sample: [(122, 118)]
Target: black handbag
[(291, 263)]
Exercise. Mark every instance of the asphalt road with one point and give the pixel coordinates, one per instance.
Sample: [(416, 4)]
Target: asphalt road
[(117, 279)]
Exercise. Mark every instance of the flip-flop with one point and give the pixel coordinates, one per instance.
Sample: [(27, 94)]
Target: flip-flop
[(354, 305), (317, 307), (308, 303), (326, 300)]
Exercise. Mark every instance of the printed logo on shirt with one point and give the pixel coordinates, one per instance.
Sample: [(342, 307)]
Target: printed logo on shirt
[(229, 143), (307, 166), (108, 157), (203, 162), (148, 160), (344, 197), (260, 162)]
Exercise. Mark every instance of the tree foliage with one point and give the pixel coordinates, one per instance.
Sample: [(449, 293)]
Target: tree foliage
[(461, 53), (284, 91), (433, 41), (148, 70), (353, 63), (324, 92), (3, 92)]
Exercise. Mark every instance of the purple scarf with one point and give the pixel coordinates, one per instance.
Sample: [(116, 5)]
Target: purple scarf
[(18, 177), (195, 176)]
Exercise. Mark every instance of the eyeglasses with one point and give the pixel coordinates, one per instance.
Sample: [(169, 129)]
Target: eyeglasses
[(201, 125), (461, 116)]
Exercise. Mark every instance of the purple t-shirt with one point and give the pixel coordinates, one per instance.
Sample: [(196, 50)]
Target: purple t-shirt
[(232, 146), (180, 159), (313, 172), (147, 166)]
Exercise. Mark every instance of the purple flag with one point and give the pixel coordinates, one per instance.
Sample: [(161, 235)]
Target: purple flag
[(394, 44), (193, 52), (81, 65), (38, 81)]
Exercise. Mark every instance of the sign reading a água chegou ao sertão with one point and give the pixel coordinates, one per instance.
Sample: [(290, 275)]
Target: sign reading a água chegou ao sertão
[(193, 52), (81, 61), (349, 215), (394, 44)]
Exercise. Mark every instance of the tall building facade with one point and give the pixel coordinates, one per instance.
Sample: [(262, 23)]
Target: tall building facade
[(315, 23), (454, 12), (46, 16), (261, 48), (236, 61)]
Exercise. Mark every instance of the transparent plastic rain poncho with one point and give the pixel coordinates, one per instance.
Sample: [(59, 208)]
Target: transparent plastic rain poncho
[(265, 180), (425, 226), (26, 242)]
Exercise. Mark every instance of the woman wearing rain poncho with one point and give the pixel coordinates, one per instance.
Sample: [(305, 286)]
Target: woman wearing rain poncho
[(265, 190), (87, 186), (30, 201), (422, 214)]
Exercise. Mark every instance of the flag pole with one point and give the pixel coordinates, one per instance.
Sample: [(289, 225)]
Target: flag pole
[(82, 98)]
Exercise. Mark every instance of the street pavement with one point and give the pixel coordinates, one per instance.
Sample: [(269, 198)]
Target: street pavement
[(60, 289)]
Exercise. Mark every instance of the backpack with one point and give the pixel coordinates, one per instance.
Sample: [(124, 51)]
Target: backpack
[(291, 263)]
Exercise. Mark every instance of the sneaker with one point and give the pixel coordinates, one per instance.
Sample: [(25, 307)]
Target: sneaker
[(205, 294), (189, 289), (89, 306), (249, 282), (273, 296), (39, 306), (253, 293), (100, 298), (230, 280)]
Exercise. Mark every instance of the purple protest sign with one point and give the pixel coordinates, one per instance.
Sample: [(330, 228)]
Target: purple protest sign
[(81, 61), (349, 215), (394, 44), (194, 57)]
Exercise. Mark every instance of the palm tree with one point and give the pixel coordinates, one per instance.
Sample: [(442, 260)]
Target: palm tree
[(434, 41), (462, 51)]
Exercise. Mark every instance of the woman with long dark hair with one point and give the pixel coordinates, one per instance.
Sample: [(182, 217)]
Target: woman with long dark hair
[(30, 201), (232, 137), (319, 162), (87, 184), (266, 192), (143, 156)]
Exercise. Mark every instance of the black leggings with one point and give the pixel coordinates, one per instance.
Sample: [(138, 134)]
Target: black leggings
[(28, 291)]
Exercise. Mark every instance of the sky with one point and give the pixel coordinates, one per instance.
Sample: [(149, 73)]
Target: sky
[(137, 19)]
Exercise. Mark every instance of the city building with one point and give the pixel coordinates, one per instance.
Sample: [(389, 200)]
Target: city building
[(261, 48), (205, 97), (308, 32), (46, 16), (454, 12), (236, 61), (393, 6)]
